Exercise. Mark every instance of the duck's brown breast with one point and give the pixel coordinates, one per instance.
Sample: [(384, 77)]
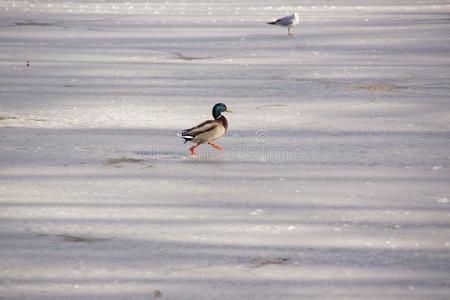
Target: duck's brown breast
[(223, 121)]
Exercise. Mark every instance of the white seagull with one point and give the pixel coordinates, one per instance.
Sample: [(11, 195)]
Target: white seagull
[(288, 21)]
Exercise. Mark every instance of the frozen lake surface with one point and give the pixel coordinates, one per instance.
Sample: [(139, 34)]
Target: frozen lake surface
[(334, 182)]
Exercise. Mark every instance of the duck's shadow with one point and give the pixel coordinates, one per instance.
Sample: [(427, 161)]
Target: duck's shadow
[(202, 160), (208, 157)]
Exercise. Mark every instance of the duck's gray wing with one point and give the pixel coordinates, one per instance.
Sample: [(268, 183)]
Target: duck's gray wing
[(198, 126), (202, 128)]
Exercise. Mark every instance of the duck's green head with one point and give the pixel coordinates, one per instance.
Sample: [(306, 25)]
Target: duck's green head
[(218, 109)]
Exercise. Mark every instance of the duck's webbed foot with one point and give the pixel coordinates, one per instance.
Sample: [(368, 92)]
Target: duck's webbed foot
[(218, 147), (192, 149)]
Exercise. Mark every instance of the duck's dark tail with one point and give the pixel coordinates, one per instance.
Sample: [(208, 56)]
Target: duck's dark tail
[(272, 23), (186, 138)]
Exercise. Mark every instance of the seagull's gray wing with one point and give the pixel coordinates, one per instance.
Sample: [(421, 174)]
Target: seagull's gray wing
[(285, 21)]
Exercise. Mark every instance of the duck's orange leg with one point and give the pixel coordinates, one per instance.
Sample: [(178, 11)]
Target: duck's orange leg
[(218, 147), (192, 149)]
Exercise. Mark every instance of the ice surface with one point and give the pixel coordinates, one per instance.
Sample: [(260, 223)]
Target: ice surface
[(334, 182)]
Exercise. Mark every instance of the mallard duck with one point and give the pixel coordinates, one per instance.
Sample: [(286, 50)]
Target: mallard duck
[(208, 131), (288, 21)]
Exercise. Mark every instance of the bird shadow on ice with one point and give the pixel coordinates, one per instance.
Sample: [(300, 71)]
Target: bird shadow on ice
[(163, 154)]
